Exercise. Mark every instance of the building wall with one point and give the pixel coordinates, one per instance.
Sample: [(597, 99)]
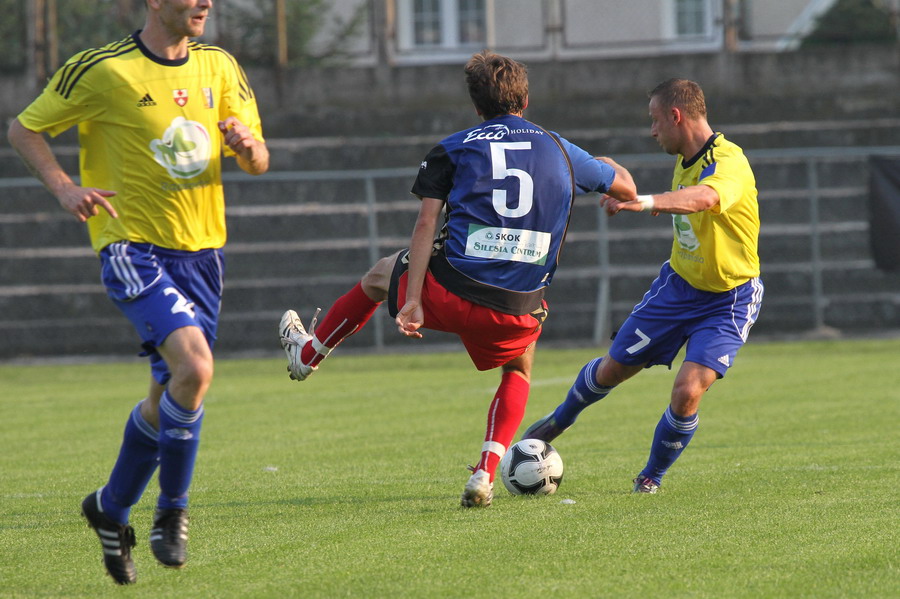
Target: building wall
[(576, 29), (808, 85), (841, 83)]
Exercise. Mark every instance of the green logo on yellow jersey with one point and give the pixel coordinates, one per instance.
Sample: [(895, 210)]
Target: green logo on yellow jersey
[(184, 149), (684, 233)]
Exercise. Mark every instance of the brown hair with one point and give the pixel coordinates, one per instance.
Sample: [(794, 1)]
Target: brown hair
[(683, 94), (497, 85)]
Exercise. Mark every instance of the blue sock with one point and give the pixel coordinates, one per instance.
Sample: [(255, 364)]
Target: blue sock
[(671, 437), (179, 438), (138, 458), (584, 392)]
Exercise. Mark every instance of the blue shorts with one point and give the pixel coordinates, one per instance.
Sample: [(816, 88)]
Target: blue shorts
[(672, 313), (161, 290)]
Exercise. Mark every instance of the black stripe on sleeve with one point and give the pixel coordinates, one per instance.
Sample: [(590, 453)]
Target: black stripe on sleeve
[(76, 71)]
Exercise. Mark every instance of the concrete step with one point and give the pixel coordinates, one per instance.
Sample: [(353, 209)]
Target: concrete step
[(41, 230), (83, 320), (406, 147)]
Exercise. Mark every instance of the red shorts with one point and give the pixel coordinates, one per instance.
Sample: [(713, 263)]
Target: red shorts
[(492, 338)]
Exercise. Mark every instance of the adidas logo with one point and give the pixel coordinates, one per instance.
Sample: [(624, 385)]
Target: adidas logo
[(146, 101), (724, 360)]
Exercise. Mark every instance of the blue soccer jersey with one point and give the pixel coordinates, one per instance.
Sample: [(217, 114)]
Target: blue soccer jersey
[(508, 188)]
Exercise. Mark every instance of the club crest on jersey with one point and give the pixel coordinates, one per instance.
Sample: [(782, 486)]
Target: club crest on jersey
[(184, 149), (180, 96), (490, 132)]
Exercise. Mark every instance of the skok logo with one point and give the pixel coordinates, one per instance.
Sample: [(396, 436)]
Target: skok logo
[(508, 237)]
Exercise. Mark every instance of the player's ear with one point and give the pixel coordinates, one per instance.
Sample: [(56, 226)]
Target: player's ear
[(676, 115), (525, 105)]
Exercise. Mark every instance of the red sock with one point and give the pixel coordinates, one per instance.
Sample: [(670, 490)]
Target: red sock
[(504, 417), (347, 315)]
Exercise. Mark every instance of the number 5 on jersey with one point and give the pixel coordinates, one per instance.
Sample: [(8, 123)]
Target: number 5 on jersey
[(501, 171)]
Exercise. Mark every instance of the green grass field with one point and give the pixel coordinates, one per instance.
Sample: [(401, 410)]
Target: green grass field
[(348, 484)]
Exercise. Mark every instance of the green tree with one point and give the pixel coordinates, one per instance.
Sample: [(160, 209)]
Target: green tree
[(94, 23), (12, 36), (854, 21), (248, 30)]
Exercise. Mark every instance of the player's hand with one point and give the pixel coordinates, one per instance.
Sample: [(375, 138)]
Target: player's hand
[(83, 202), (237, 135), (410, 319), (612, 206), (252, 154)]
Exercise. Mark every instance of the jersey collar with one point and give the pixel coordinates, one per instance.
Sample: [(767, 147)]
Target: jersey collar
[(709, 143), (157, 59)]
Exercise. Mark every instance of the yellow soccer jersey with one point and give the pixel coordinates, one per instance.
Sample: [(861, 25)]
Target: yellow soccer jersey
[(716, 250), (148, 130)]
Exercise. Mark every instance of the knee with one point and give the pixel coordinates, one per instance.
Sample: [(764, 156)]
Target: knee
[(686, 399), (612, 373), (375, 282), (193, 375)]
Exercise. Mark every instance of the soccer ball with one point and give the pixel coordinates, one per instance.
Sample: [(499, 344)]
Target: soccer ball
[(531, 467)]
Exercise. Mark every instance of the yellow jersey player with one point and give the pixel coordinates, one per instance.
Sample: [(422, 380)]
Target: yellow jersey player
[(707, 295), (155, 113)]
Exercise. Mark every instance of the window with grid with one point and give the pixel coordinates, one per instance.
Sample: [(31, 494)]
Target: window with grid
[(691, 17), (427, 22), (442, 24), (471, 22)]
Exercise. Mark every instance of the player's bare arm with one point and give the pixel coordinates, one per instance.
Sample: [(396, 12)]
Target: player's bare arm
[(688, 200), (81, 202), (252, 155), (410, 317), (623, 188)]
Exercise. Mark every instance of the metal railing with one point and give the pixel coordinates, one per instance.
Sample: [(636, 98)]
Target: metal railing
[(810, 158), (812, 182)]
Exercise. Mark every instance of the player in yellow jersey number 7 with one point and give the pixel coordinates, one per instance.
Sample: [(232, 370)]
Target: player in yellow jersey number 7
[(708, 293)]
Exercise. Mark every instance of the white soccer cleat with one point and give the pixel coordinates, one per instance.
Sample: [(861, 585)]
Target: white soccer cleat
[(644, 484), (293, 338), (479, 491)]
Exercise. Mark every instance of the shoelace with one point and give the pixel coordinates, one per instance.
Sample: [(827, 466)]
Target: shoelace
[(286, 336), (314, 322), (126, 539)]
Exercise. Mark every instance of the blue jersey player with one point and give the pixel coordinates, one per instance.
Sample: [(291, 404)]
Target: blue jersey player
[(505, 189), (708, 293)]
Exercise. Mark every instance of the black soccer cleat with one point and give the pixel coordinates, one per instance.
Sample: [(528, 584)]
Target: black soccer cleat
[(168, 537), (116, 539), (545, 429)]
